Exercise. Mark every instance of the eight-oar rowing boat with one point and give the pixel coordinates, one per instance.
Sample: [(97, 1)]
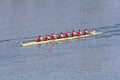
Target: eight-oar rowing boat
[(57, 40)]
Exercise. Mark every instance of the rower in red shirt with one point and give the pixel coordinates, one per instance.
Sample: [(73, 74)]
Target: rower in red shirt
[(67, 35), (47, 37), (79, 32), (73, 33), (53, 36), (85, 32), (60, 36), (39, 39)]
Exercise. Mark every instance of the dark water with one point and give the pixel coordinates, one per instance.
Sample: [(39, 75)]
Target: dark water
[(95, 58)]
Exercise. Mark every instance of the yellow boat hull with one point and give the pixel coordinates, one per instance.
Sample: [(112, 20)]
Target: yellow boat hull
[(57, 40)]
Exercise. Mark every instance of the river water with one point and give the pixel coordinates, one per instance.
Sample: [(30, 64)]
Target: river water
[(93, 58)]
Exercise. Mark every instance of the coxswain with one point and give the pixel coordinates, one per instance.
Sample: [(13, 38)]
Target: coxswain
[(47, 37), (73, 33), (39, 39), (93, 31), (60, 36), (79, 32), (85, 32), (53, 36), (67, 35)]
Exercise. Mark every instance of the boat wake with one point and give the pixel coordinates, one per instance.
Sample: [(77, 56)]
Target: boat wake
[(108, 31), (13, 39)]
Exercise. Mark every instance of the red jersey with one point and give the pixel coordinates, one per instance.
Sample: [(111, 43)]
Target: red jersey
[(67, 35), (73, 34), (85, 32), (47, 38), (79, 33), (53, 36), (60, 36), (39, 39)]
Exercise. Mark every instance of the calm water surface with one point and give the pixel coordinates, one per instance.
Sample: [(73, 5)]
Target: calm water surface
[(94, 58)]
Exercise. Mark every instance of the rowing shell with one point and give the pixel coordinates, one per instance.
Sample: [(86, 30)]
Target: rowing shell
[(57, 40)]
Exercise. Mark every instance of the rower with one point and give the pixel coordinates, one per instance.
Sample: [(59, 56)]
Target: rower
[(73, 33), (47, 37), (93, 31), (60, 36), (85, 32), (39, 39), (79, 32), (67, 35), (53, 36)]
